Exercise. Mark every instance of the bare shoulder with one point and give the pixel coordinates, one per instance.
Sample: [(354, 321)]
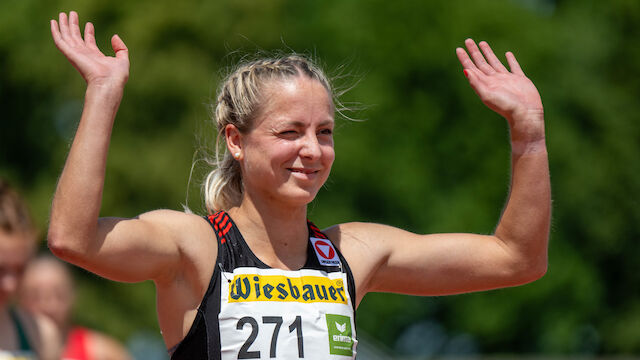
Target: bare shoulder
[(104, 347), (361, 236), (192, 233), (188, 231), (178, 221), (365, 248)]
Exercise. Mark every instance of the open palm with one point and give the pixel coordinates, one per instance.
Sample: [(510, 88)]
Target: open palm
[(509, 93), (95, 67)]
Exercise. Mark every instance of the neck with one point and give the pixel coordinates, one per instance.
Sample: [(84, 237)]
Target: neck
[(278, 235)]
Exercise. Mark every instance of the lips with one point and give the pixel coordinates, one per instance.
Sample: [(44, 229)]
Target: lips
[(303, 171)]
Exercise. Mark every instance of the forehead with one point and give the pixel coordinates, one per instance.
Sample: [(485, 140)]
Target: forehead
[(298, 99)]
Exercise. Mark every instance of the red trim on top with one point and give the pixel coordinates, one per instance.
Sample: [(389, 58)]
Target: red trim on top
[(316, 232), (219, 220), (224, 221), (226, 230)]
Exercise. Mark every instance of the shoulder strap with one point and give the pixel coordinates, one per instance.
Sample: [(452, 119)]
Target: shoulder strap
[(221, 223), (315, 232)]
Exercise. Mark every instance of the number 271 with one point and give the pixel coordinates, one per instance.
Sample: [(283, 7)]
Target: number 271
[(277, 320)]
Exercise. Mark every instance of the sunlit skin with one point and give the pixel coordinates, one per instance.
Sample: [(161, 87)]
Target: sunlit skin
[(287, 155), (285, 158)]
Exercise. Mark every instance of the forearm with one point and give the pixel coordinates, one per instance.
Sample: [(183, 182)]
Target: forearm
[(524, 225), (77, 201)]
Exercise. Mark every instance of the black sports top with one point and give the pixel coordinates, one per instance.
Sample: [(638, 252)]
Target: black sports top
[(252, 311)]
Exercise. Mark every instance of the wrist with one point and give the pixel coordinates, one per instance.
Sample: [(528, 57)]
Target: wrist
[(519, 147), (104, 91), (527, 132), (527, 126)]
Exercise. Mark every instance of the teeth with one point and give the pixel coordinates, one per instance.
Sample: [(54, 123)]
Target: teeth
[(302, 171)]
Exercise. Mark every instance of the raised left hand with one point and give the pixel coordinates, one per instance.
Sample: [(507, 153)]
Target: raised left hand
[(509, 93)]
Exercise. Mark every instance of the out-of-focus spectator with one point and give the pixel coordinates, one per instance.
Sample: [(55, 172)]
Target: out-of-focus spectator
[(47, 288), (22, 335)]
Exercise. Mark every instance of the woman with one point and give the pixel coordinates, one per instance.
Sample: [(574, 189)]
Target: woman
[(48, 289), (227, 285), (22, 335)]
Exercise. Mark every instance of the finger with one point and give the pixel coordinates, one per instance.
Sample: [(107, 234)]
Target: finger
[(477, 57), (476, 78), (464, 59), (74, 27), (63, 21), (491, 57), (90, 36), (513, 63), (55, 33), (119, 47)]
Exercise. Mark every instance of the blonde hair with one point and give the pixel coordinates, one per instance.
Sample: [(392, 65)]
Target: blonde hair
[(239, 100)]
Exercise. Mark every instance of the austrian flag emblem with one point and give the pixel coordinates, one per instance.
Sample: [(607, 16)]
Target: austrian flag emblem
[(326, 253)]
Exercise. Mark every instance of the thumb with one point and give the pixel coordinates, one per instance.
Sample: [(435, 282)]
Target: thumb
[(119, 47)]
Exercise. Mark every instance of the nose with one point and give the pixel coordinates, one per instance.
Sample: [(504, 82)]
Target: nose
[(311, 147)]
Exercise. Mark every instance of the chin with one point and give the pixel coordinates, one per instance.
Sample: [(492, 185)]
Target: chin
[(298, 197)]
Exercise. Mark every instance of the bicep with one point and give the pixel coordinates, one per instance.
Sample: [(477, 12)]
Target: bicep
[(442, 264), (437, 264), (146, 247)]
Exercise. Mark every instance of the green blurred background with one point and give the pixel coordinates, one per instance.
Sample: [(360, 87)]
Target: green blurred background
[(429, 157)]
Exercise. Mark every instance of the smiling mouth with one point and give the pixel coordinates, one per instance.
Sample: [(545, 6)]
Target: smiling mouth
[(303, 171)]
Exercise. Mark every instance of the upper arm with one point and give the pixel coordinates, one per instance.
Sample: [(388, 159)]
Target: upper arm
[(152, 246), (388, 259)]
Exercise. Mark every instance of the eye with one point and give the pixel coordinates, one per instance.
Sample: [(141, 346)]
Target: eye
[(326, 131), (288, 133)]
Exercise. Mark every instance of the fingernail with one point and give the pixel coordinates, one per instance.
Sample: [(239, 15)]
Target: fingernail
[(466, 73)]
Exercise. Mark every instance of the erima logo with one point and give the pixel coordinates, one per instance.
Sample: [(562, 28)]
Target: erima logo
[(341, 341)]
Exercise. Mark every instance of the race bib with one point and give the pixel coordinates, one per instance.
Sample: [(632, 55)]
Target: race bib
[(279, 314)]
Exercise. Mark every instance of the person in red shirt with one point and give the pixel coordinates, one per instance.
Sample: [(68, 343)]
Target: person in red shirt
[(48, 289)]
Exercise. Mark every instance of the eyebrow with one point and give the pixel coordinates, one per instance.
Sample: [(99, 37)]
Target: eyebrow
[(297, 123)]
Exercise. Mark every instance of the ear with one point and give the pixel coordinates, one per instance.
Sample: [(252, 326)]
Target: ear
[(233, 138)]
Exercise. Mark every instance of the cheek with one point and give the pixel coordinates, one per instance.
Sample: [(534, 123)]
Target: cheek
[(329, 154), (279, 154)]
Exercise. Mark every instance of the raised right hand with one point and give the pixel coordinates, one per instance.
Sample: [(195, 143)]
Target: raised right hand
[(95, 67)]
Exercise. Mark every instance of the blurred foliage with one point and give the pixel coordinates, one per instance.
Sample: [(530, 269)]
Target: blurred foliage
[(428, 158)]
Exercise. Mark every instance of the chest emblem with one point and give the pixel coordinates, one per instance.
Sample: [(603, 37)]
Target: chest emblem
[(325, 252)]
